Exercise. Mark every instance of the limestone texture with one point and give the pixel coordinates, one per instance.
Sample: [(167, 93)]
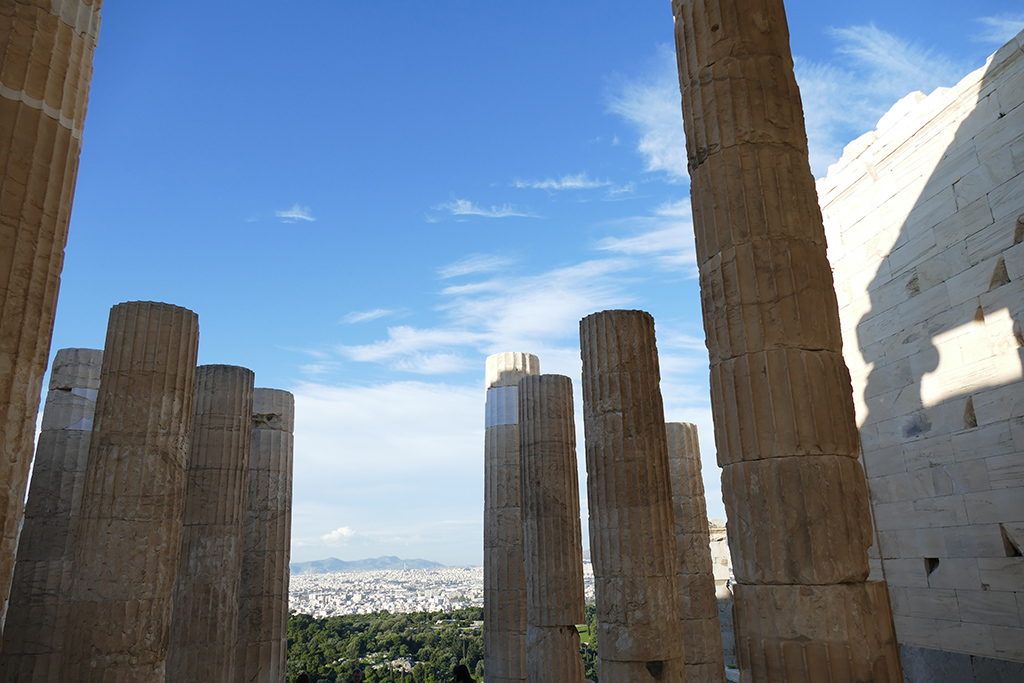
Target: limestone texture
[(816, 634), (925, 223), (133, 498), (632, 527), (780, 390), (699, 624), (204, 625), (46, 51), (38, 611), (552, 538), (504, 577), (263, 602)]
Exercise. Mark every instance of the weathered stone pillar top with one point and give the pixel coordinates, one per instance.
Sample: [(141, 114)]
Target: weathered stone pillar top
[(81, 15), (506, 369), (76, 369), (273, 409), (623, 332), (156, 307)]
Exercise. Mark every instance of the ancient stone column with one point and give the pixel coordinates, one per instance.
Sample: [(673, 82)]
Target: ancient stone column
[(796, 497), (632, 527), (37, 616), (504, 580), (263, 603), (552, 540), (702, 632), (204, 624), (46, 53), (133, 498)]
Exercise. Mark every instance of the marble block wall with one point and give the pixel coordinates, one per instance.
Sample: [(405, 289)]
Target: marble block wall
[(924, 219)]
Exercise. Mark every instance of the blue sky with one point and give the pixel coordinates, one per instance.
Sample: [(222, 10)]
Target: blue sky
[(364, 200)]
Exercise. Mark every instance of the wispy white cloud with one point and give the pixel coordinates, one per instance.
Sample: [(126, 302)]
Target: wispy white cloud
[(844, 100), (475, 263), (434, 363), (464, 207), (338, 536), (580, 181), (404, 342), (667, 236), (999, 29), (651, 104), (295, 214), (364, 316), (318, 370)]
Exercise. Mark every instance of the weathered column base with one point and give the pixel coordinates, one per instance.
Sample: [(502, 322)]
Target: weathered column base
[(702, 645), (507, 670), (800, 520), (671, 671), (629, 627), (841, 633), (553, 654)]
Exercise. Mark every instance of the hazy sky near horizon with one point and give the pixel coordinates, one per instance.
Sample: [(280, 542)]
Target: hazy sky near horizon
[(363, 200)]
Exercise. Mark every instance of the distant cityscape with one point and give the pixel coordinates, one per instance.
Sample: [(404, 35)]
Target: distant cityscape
[(331, 594)]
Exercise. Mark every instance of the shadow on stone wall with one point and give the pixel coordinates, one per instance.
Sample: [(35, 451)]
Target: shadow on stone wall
[(944, 399)]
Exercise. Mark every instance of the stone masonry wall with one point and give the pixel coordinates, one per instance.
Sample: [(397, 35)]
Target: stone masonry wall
[(925, 225)]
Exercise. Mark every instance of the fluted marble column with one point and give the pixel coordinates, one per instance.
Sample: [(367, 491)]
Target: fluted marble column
[(795, 494), (263, 606), (37, 617), (632, 528), (46, 53), (702, 632), (204, 624), (504, 580), (133, 497), (552, 540)]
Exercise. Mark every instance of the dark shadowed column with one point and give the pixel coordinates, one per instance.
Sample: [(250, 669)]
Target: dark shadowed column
[(504, 581), (795, 494), (552, 540), (38, 613), (205, 620), (46, 53), (132, 502), (263, 605), (702, 632), (632, 528)]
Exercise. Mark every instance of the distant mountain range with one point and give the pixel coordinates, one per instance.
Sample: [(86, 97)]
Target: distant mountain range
[(333, 564)]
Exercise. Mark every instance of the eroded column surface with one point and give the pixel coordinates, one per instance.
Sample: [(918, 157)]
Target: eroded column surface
[(263, 605), (46, 53), (702, 632), (632, 528), (552, 540), (37, 616), (504, 580), (205, 620), (796, 497), (133, 498)]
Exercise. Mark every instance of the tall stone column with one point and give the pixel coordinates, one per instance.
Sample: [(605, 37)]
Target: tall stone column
[(702, 632), (632, 528), (46, 53), (504, 580), (133, 498), (796, 497), (37, 616), (552, 540), (205, 616), (263, 603)]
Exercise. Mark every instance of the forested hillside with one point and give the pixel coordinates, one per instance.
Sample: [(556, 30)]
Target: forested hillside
[(421, 647)]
